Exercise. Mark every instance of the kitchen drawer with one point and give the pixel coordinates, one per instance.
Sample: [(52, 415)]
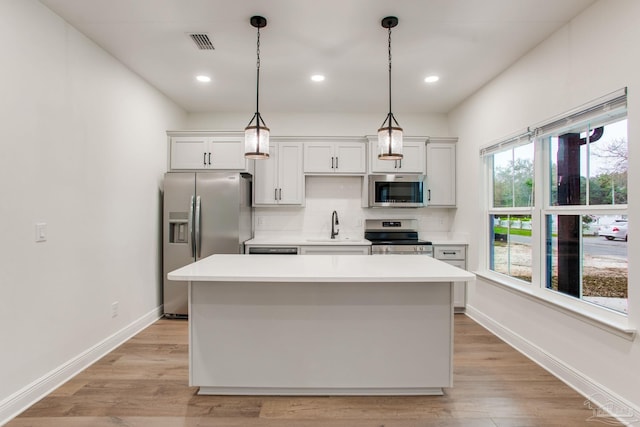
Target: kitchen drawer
[(449, 252), (456, 263), (335, 250)]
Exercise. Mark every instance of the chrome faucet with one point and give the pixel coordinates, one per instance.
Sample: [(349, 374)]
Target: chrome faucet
[(334, 224)]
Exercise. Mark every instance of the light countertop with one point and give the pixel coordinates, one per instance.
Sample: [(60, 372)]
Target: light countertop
[(447, 242), (301, 240), (320, 268)]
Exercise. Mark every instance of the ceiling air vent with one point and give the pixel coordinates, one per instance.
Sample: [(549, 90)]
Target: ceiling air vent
[(202, 41)]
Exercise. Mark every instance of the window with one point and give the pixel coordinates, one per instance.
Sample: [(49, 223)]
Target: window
[(510, 249), (575, 216), (586, 251), (510, 213), (588, 164)]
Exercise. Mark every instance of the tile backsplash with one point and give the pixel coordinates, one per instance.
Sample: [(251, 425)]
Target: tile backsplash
[(324, 194)]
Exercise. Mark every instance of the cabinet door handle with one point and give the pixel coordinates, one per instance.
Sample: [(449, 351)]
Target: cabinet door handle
[(448, 253), (336, 163), (275, 194), (400, 164), (429, 195), (204, 159), (280, 194), (332, 167), (209, 158)]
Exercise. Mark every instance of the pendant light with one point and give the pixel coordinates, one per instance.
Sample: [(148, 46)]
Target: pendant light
[(390, 136), (256, 135)]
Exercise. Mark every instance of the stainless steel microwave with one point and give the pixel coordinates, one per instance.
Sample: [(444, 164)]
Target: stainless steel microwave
[(396, 191)]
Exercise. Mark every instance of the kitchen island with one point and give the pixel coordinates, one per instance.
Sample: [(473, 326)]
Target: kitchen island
[(320, 324)]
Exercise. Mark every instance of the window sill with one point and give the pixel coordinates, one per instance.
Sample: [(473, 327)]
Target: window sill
[(613, 323)]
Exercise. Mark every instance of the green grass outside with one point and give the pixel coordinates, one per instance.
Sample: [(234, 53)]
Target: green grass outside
[(514, 231)]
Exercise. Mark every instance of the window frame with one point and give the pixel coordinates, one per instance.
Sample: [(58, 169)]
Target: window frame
[(512, 144), (602, 316)]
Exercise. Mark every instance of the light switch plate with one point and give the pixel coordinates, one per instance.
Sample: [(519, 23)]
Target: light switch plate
[(41, 232)]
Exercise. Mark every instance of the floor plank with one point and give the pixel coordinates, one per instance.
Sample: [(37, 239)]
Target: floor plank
[(144, 383)]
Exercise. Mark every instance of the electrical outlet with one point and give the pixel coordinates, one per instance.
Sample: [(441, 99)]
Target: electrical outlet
[(260, 221), (114, 309)]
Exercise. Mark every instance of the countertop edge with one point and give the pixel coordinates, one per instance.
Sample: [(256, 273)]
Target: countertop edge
[(310, 241), (431, 279), (301, 241)]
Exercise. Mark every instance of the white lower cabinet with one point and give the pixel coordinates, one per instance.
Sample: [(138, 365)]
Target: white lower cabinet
[(335, 250), (455, 255), (331, 249)]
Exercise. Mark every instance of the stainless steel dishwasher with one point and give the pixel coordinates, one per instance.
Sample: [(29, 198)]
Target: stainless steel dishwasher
[(273, 250)]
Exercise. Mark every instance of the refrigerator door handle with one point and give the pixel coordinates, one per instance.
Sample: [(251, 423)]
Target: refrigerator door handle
[(197, 239), (191, 235)]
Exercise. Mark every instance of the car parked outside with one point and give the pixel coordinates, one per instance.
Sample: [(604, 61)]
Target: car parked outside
[(615, 230)]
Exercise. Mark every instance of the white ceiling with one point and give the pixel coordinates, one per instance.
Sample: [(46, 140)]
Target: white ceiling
[(465, 42)]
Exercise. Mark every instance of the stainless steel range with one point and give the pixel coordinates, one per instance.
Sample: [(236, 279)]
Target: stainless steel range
[(395, 236)]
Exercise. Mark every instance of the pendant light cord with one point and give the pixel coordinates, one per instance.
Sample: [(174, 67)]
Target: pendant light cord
[(258, 76), (390, 75)]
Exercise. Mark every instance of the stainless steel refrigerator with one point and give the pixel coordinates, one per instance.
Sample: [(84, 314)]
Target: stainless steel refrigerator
[(204, 213)]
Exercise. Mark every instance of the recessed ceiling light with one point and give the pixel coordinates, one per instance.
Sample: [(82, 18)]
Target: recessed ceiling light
[(203, 79), (431, 79), (317, 78)]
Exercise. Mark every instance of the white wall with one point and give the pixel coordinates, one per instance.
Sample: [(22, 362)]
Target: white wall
[(83, 149), (593, 55), (299, 124)]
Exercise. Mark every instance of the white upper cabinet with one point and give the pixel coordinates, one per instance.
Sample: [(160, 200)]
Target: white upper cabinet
[(319, 157), (202, 151), (413, 161), (279, 179), (336, 157), (189, 152), (441, 172)]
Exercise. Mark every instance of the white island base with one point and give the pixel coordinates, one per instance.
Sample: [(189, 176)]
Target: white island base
[(320, 325)]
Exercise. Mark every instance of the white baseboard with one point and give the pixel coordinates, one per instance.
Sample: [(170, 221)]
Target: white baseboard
[(24, 398), (606, 405)]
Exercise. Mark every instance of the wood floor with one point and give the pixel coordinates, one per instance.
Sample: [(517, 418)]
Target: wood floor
[(144, 383)]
